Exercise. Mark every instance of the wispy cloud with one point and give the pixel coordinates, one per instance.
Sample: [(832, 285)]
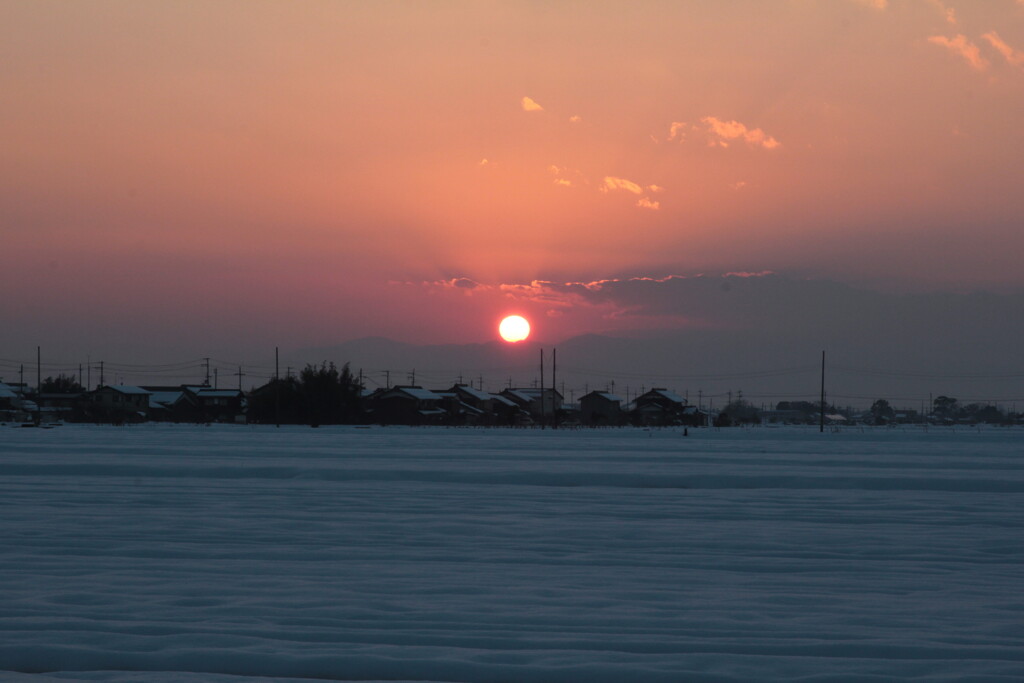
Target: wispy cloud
[(874, 4), (575, 118), (725, 131), (1012, 56), (529, 104), (644, 202), (960, 46), (463, 284), (566, 177), (677, 131), (613, 183)]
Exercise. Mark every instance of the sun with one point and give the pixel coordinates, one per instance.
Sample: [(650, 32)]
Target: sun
[(514, 328)]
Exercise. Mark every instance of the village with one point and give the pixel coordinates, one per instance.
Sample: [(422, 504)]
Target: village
[(323, 395)]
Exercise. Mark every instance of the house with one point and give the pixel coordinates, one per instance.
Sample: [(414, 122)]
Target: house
[(659, 407), (172, 404), (218, 405), (118, 403), (541, 404), (408, 405), (493, 408), (601, 408), (13, 407)]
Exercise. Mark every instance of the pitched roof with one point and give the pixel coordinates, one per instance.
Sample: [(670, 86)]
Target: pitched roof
[(128, 389), (475, 393)]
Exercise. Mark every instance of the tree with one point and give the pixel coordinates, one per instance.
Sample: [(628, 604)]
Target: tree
[(321, 395), (61, 384), (738, 412), (946, 407), (882, 412)]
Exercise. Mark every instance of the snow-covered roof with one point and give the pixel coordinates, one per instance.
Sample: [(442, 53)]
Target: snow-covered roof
[(128, 389), (501, 399), (418, 393), (7, 392), (475, 393), (165, 397), (670, 395), (522, 395)]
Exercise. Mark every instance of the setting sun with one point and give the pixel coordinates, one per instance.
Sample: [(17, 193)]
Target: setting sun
[(514, 328)]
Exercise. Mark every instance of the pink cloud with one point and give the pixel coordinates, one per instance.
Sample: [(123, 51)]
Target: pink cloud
[(962, 47), (613, 183), (1012, 56), (726, 131), (677, 131), (529, 104)]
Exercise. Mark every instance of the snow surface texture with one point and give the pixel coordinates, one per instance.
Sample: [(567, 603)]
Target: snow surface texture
[(180, 553)]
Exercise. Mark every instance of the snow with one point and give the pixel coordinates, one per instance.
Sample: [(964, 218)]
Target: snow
[(182, 553)]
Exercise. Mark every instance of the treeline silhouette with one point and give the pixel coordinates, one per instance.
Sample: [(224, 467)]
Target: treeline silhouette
[(320, 395)]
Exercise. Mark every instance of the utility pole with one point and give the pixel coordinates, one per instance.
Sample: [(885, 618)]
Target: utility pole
[(542, 388), (239, 373), (821, 426), (387, 379), (412, 377), (39, 372), (277, 388), (215, 376), (79, 374), (102, 378), (554, 414), (88, 372), (206, 363)]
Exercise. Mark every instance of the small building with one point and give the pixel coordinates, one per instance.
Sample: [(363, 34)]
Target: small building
[(172, 404), (541, 404), (659, 407), (408, 405), (218, 405), (599, 408), (119, 403)]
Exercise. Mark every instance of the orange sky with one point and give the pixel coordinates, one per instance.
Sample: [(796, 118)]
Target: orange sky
[(320, 171)]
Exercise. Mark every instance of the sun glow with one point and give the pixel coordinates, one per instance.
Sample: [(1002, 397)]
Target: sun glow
[(514, 328)]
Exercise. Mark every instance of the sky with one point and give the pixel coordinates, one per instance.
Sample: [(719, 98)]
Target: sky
[(195, 178)]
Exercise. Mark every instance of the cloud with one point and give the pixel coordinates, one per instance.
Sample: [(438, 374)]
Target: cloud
[(726, 131), (644, 202), (484, 162), (575, 118), (1014, 57), (560, 172), (612, 183), (959, 45), (676, 131), (874, 4), (529, 105), (463, 284)]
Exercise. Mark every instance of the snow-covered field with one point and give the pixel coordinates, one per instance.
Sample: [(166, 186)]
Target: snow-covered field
[(180, 553)]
